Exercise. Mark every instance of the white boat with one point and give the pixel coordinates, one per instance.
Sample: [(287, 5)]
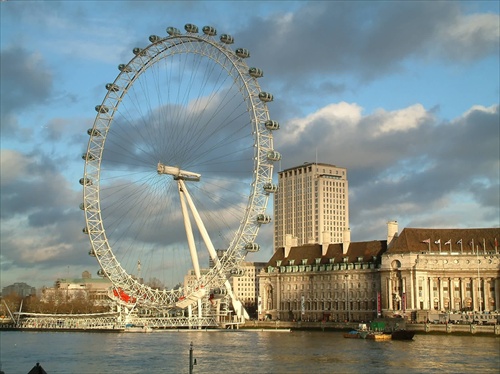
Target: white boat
[(135, 328)]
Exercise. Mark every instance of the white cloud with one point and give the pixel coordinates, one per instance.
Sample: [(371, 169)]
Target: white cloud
[(400, 120)]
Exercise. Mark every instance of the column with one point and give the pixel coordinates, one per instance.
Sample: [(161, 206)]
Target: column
[(462, 293), (425, 288), (389, 293), (405, 293), (431, 295), (440, 293), (413, 290), (497, 293), (474, 294)]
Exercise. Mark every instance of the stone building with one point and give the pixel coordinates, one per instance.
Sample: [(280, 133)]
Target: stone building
[(330, 282), (417, 270), (444, 270)]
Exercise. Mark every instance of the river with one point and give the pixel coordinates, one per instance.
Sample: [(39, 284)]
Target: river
[(244, 351)]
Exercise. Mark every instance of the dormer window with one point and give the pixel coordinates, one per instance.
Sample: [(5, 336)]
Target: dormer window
[(332, 260), (318, 261), (292, 262), (360, 259), (304, 261), (278, 263), (345, 259)]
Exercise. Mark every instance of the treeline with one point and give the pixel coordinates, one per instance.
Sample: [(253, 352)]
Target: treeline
[(56, 303)]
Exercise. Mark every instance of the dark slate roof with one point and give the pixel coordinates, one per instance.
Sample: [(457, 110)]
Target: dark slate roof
[(412, 240), (310, 252)]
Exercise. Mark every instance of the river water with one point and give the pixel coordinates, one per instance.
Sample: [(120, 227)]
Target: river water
[(244, 351)]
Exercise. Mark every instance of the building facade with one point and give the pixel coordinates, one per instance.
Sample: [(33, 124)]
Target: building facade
[(96, 290), (441, 270), (311, 205), (322, 282), (419, 271), (245, 286)]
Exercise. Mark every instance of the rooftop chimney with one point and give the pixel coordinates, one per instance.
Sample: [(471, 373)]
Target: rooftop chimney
[(392, 231)]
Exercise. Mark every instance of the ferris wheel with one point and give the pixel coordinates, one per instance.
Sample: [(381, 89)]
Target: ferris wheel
[(179, 169)]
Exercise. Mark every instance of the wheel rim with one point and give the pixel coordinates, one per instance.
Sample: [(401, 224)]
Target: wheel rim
[(186, 101)]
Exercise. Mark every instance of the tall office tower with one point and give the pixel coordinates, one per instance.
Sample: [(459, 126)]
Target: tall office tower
[(311, 205)]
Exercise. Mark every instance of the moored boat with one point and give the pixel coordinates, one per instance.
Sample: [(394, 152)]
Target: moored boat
[(378, 336), (353, 334), (135, 328), (402, 335)]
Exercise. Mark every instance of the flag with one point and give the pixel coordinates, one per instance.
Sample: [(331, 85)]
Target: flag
[(437, 241), (460, 241), (448, 242), (426, 241)]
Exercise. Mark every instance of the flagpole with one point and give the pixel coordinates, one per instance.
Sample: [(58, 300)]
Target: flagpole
[(484, 246)]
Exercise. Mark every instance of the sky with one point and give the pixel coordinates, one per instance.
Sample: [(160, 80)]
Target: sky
[(404, 94)]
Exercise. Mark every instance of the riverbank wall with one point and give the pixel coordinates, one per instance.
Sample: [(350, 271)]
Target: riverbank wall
[(419, 328)]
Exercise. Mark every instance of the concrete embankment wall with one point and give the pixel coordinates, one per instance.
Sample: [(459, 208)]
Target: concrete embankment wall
[(419, 328)]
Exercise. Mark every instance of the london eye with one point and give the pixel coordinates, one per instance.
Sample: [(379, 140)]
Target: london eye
[(178, 171)]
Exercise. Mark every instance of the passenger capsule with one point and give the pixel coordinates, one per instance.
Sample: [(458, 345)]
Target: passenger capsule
[(272, 125), (270, 187), (273, 156), (256, 72), (101, 273), (101, 109), (139, 51), (266, 97), (85, 230), (112, 87), (189, 27), (93, 132), (263, 218), (227, 39), (217, 293), (85, 181), (252, 247), (172, 31), (92, 253), (209, 30), (237, 272), (82, 206), (124, 68), (154, 38), (243, 53), (88, 156)]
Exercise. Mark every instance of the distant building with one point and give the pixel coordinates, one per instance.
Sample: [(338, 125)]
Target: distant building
[(19, 289), (311, 205), (245, 286), (96, 290)]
